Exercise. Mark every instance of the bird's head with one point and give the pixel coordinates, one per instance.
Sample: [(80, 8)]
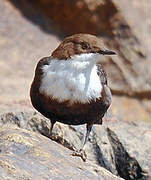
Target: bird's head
[(84, 45)]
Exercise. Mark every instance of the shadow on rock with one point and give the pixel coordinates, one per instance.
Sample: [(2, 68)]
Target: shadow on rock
[(99, 155), (36, 17), (127, 166)]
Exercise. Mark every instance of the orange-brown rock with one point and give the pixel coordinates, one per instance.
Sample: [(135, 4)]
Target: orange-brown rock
[(125, 26), (79, 15)]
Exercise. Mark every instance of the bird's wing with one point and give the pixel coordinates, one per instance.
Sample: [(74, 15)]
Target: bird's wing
[(105, 93), (43, 61), (102, 74)]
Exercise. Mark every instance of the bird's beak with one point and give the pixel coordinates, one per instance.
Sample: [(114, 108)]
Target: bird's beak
[(106, 52)]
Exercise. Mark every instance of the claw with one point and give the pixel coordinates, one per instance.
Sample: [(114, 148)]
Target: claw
[(81, 153), (53, 136)]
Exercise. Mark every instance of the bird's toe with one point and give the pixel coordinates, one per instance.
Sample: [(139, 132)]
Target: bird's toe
[(81, 153)]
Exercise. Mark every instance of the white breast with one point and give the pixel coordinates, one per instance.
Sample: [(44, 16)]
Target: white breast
[(72, 80)]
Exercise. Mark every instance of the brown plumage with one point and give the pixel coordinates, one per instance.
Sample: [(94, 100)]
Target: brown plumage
[(77, 112)]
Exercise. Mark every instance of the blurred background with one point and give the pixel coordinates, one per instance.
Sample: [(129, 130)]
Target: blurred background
[(32, 29)]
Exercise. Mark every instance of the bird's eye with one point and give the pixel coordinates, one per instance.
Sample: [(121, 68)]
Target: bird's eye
[(85, 45)]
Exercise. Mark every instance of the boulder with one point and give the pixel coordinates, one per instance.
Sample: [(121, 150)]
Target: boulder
[(22, 48), (28, 155), (129, 140), (26, 35), (117, 23), (22, 44)]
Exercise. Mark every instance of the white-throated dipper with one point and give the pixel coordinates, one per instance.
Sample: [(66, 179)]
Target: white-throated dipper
[(70, 86)]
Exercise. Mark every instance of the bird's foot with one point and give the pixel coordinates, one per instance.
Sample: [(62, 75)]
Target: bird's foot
[(53, 136), (81, 153)]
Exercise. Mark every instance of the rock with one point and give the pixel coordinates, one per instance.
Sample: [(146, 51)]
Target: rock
[(26, 35), (117, 23), (38, 39), (133, 138), (24, 38), (131, 109), (28, 155), (79, 16), (127, 167)]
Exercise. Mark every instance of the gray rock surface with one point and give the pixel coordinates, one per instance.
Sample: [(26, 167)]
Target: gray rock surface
[(133, 138), (28, 155)]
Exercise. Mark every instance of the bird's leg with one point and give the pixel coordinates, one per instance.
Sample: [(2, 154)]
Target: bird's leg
[(50, 129), (89, 127), (81, 152)]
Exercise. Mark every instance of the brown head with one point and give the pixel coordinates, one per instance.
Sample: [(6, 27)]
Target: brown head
[(79, 44)]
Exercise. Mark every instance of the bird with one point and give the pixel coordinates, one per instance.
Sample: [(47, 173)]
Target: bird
[(70, 86)]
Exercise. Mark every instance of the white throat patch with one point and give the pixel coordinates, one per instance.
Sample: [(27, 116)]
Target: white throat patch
[(74, 80)]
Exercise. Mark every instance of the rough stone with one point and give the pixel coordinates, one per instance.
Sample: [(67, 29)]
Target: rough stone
[(134, 137), (117, 23), (21, 48), (26, 35), (23, 41), (126, 166), (28, 155)]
